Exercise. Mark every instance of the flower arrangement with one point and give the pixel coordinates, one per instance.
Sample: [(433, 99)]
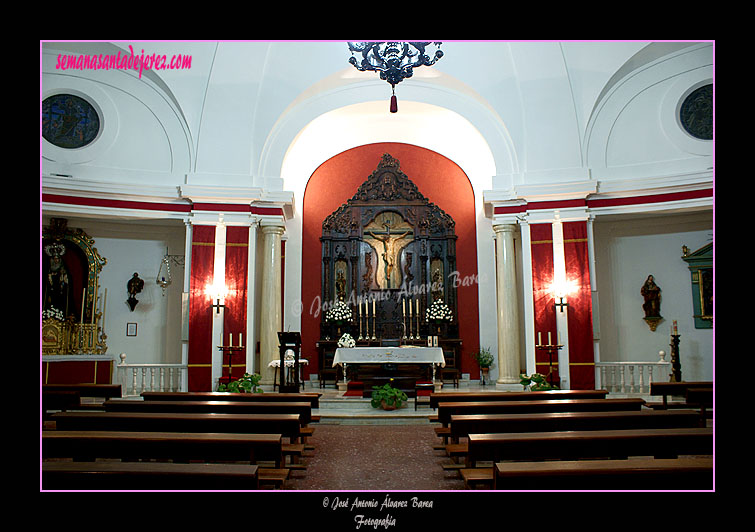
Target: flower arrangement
[(247, 384), (52, 312), (340, 312), (346, 341), (438, 312), (536, 382), (484, 358)]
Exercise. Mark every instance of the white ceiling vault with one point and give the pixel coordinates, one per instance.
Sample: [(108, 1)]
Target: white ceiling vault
[(515, 116)]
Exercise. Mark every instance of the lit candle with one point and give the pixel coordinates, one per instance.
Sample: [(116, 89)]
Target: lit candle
[(404, 307), (417, 309)]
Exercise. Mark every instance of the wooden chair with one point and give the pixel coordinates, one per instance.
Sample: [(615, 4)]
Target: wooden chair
[(451, 370), (328, 372)]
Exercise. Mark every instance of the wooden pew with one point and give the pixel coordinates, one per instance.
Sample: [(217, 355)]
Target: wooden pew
[(447, 409), (440, 397), (701, 398), (312, 398), (463, 425), (105, 391), (635, 474), (669, 389), (580, 445), (144, 476), (288, 425), (81, 445), (589, 444), (59, 401), (221, 407)]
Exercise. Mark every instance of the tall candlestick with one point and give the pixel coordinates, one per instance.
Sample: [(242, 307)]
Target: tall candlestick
[(104, 306)]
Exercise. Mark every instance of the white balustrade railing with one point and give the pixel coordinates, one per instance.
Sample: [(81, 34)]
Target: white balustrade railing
[(631, 378), (138, 378)]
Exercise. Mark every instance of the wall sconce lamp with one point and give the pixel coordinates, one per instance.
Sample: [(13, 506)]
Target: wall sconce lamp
[(560, 290), (218, 293)]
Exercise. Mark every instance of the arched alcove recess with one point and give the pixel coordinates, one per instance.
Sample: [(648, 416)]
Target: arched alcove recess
[(439, 179)]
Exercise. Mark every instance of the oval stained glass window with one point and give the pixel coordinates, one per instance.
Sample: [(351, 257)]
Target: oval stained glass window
[(69, 121), (696, 113)]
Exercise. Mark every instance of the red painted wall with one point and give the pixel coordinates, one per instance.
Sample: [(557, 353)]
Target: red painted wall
[(438, 179)]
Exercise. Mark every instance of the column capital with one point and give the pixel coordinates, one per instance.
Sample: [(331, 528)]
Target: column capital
[(272, 228), (505, 228)]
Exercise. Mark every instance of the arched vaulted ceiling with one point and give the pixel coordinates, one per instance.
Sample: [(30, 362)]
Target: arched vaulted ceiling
[(548, 112)]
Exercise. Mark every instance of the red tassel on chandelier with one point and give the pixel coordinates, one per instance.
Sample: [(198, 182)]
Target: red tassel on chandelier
[(394, 102)]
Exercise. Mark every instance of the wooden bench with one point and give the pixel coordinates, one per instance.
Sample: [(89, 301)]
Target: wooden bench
[(220, 407), (104, 391), (580, 445), (633, 474), (447, 409), (589, 444), (463, 425), (81, 445), (312, 398), (440, 397), (288, 425), (670, 389), (145, 476), (701, 398)]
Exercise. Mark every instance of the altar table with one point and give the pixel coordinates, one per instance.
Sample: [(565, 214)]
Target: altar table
[(389, 355)]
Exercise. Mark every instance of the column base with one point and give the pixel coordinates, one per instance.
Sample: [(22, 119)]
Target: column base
[(509, 387)]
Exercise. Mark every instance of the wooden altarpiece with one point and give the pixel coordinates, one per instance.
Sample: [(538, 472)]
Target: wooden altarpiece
[(388, 253)]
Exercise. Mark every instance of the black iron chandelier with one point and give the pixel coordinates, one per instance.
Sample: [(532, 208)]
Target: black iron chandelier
[(394, 60)]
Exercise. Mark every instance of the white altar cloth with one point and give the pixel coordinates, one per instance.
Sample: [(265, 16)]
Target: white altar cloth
[(389, 355)]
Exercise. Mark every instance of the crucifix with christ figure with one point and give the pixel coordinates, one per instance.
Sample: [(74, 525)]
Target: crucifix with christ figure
[(393, 237)]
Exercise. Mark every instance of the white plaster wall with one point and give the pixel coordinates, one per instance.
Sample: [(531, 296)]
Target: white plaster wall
[(626, 253)]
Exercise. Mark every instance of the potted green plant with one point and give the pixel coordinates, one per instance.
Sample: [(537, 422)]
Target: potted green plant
[(485, 360), (387, 397), (247, 384), (536, 382)]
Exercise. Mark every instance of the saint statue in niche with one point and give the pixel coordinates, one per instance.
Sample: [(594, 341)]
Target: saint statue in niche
[(388, 234), (58, 296), (651, 292)]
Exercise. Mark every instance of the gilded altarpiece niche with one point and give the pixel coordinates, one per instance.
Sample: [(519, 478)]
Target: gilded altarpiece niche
[(388, 253), (72, 304)]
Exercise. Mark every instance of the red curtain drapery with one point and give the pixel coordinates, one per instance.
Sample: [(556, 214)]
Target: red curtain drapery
[(581, 353), (541, 243), (200, 313), (235, 315)]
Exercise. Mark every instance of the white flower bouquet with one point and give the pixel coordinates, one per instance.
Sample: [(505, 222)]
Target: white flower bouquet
[(438, 312), (346, 341), (340, 312), (52, 312)]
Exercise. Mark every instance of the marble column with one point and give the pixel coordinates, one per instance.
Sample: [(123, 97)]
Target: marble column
[(507, 308), (270, 304)]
